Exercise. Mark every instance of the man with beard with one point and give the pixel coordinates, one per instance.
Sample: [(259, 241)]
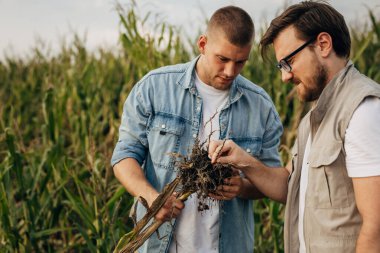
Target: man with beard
[(169, 108), (332, 193)]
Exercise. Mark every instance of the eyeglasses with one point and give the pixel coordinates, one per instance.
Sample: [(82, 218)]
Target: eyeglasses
[(284, 64)]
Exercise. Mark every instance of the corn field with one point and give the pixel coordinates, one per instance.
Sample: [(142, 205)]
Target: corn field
[(59, 118)]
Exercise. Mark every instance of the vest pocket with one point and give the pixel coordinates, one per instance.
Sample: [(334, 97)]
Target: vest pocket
[(328, 181), (164, 138), (294, 161)]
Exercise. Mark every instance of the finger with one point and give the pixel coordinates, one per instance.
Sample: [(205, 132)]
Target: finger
[(235, 172), (220, 152), (236, 180), (175, 212), (215, 154), (228, 190), (226, 197), (214, 144), (217, 196), (166, 214), (220, 148), (168, 204), (161, 215), (228, 181), (178, 204)]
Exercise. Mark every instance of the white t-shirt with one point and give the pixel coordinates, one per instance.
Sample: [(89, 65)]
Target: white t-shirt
[(362, 145), (199, 231), (303, 186)]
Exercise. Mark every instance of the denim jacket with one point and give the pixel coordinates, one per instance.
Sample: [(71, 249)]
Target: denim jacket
[(163, 114)]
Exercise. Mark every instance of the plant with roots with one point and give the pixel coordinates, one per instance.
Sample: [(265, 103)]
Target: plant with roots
[(195, 174)]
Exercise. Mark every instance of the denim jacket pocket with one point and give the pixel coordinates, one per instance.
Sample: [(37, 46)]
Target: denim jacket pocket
[(328, 179), (251, 145), (164, 133)]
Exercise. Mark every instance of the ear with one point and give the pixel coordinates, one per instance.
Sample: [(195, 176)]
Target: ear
[(202, 41), (324, 44)]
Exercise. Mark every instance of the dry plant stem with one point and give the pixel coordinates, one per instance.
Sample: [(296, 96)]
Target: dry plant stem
[(220, 150), (196, 174), (210, 121), (143, 236), (128, 239), (135, 244), (156, 205)]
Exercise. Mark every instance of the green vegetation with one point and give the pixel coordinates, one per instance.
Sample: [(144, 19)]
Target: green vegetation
[(59, 118)]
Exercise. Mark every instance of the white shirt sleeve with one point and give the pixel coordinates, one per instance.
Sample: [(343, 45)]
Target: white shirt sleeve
[(362, 142)]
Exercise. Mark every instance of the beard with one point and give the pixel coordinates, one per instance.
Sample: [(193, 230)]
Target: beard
[(317, 84)]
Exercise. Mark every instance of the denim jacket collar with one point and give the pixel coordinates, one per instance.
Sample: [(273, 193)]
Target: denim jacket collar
[(187, 82)]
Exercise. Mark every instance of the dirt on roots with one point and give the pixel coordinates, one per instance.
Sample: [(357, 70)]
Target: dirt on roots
[(197, 174)]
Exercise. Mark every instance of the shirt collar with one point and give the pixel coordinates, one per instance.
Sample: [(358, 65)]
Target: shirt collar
[(330, 92)]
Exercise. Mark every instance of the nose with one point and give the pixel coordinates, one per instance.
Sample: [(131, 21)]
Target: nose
[(286, 76), (229, 69)]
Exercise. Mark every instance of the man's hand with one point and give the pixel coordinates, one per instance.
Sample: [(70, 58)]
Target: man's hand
[(272, 182), (171, 209), (130, 174), (231, 188), (228, 152)]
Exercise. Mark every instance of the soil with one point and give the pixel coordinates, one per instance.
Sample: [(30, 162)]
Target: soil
[(198, 175)]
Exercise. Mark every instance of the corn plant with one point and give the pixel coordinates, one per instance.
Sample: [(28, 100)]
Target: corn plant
[(59, 117)]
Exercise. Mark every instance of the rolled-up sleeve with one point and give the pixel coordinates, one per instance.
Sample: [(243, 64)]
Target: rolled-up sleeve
[(132, 142)]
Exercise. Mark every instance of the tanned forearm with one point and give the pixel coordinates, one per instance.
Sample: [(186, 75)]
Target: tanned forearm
[(249, 191), (367, 191), (131, 176), (272, 182), (369, 239)]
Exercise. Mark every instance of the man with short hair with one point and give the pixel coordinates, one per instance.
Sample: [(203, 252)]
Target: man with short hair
[(169, 108), (333, 191)]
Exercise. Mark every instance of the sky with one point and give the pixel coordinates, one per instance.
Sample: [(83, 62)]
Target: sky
[(24, 24)]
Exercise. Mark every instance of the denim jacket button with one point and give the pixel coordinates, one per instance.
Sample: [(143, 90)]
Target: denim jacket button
[(194, 136), (248, 150), (163, 126)]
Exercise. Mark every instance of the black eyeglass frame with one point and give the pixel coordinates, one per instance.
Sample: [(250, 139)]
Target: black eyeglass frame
[(284, 64)]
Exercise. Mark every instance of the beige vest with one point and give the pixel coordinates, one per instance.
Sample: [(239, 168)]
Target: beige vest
[(332, 221)]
